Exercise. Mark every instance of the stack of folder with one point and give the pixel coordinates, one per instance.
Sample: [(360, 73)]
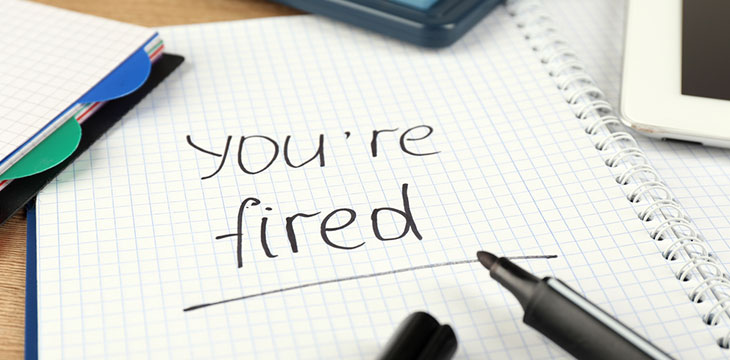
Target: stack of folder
[(59, 69)]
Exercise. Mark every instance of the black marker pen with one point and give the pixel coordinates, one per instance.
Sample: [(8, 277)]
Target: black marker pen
[(566, 317)]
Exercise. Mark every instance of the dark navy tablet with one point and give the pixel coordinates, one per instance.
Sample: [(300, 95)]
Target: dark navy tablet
[(431, 23)]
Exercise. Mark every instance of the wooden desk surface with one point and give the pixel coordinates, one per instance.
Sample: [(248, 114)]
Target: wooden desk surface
[(150, 13)]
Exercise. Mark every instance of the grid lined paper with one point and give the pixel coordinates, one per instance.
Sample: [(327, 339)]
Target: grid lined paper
[(127, 233), (49, 58)]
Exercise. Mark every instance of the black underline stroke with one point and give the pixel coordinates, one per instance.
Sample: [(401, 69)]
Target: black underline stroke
[(355, 277)]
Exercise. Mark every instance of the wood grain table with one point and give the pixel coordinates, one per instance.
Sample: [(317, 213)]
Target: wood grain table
[(152, 13)]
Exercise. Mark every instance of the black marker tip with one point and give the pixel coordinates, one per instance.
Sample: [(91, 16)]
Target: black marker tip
[(487, 259)]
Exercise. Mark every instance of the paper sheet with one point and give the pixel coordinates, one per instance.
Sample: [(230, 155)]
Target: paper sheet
[(147, 223)]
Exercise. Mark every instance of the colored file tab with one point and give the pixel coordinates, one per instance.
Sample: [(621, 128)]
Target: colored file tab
[(49, 153)]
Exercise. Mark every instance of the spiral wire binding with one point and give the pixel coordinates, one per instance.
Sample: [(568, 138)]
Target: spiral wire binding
[(589, 105)]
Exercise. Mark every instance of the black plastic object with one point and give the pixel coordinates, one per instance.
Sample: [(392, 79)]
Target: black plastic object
[(576, 329), (420, 337), (20, 191), (567, 318), (437, 26)]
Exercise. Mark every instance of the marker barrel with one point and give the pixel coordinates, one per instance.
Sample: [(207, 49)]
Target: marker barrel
[(581, 328)]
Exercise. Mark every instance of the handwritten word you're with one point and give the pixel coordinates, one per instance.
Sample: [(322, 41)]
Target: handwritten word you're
[(405, 141)]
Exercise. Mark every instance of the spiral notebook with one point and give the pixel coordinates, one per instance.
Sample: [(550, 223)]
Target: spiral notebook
[(699, 176), (301, 186)]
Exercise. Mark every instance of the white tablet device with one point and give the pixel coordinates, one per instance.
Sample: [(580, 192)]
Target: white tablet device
[(676, 71)]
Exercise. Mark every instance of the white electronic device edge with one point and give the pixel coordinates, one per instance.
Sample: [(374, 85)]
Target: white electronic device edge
[(653, 89)]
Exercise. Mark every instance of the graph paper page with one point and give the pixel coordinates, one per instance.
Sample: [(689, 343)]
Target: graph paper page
[(699, 176), (49, 58), (427, 157)]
